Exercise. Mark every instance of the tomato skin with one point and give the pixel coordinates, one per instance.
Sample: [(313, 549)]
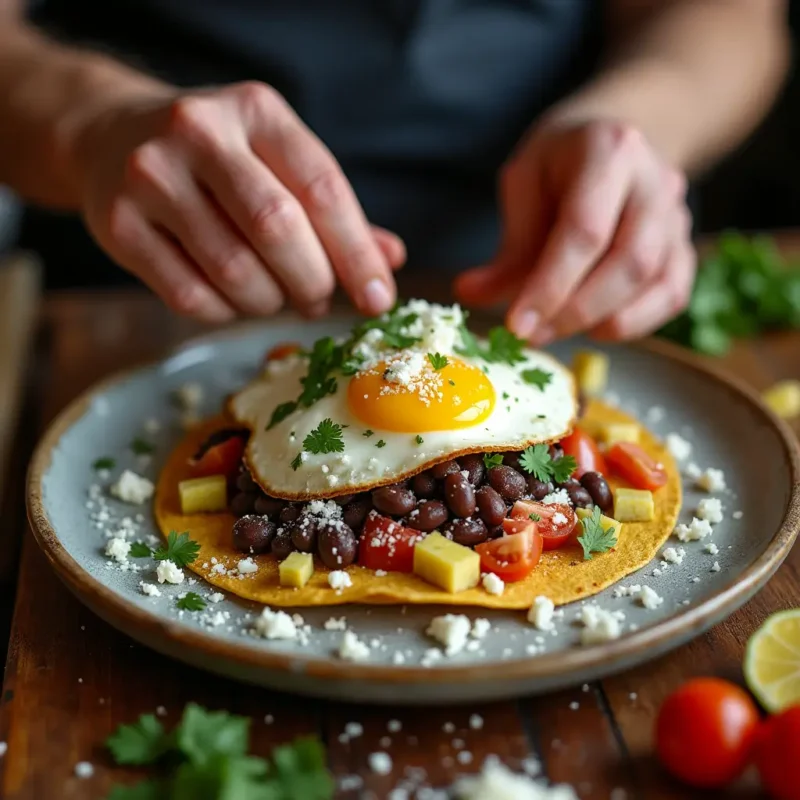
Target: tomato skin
[(705, 731), (777, 754), (583, 448), (387, 545), (513, 556), (553, 535), (280, 351), (636, 466), (220, 459)]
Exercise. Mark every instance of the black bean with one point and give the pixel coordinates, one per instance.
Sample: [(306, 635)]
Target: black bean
[(253, 534), (459, 495), (244, 483), (336, 545), (491, 507), (343, 499), (428, 515), (496, 532), (579, 496), (355, 513), (424, 484), (394, 500), (243, 503), (304, 534), (507, 482), (289, 514), (556, 451), (473, 464), (597, 486), (511, 459), (282, 544), (468, 532), (441, 471), (270, 506), (539, 489), (567, 483)]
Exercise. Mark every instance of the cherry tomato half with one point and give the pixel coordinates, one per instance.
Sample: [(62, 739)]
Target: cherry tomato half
[(556, 522), (636, 466), (513, 556), (777, 754), (583, 448), (705, 731), (280, 351), (386, 544), (219, 457)]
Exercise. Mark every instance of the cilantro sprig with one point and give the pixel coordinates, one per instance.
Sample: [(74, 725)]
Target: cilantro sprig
[(325, 438), (105, 462), (206, 756), (595, 538), (438, 361), (191, 601), (502, 346), (180, 549), (141, 447), (536, 461), (537, 377), (140, 550), (490, 461)]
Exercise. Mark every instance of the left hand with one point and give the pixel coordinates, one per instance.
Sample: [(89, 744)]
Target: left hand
[(597, 236)]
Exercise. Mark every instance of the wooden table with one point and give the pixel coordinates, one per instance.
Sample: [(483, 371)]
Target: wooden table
[(71, 679)]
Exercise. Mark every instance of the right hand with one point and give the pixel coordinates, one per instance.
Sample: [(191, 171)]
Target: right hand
[(226, 204)]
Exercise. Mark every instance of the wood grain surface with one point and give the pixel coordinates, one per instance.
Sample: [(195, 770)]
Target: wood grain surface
[(71, 679)]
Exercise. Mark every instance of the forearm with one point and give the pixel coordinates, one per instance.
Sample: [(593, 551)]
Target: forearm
[(696, 76), (47, 92)]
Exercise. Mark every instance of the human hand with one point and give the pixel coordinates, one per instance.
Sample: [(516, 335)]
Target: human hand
[(225, 203), (597, 236)]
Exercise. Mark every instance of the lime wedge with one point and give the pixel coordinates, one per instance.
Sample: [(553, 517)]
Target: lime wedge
[(772, 661)]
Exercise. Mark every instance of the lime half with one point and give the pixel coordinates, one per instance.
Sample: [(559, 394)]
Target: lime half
[(772, 661)]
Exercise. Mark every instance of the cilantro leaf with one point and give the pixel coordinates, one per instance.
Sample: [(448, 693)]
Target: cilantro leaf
[(368, 433), (438, 361), (191, 601), (537, 377), (203, 734), (325, 438), (296, 462), (326, 356), (562, 468), (380, 443), (418, 439), (280, 413), (505, 347), (299, 771), (536, 461), (490, 461), (140, 550), (469, 344), (104, 463), (534, 517), (595, 538), (144, 790), (223, 777), (141, 447), (144, 742), (180, 549)]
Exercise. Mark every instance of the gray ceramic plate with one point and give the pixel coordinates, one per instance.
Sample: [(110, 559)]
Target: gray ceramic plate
[(667, 389)]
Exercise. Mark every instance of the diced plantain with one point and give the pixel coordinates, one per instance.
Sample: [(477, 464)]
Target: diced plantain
[(784, 398), (296, 569), (445, 564), (614, 432), (590, 368), (203, 494), (605, 522), (633, 505)]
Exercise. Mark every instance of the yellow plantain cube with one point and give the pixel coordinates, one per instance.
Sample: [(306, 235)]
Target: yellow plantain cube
[(590, 368), (203, 494), (633, 505), (605, 522), (614, 432), (296, 569), (784, 398), (445, 564)]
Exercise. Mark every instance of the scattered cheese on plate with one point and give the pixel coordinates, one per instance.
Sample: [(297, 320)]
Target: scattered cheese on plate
[(679, 448), (452, 630), (711, 481), (541, 613), (132, 488), (275, 625), (169, 571), (710, 509), (697, 529)]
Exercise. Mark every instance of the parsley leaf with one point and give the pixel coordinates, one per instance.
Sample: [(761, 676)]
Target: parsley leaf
[(418, 439), (180, 549), (490, 461), (203, 734), (368, 433), (438, 361), (380, 443), (536, 461), (562, 468), (191, 601), (595, 538), (140, 550), (280, 413), (104, 463), (144, 790), (325, 438), (534, 517), (326, 356), (144, 742), (296, 462), (141, 447), (537, 377)]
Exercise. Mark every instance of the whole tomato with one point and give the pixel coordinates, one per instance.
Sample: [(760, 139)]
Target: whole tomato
[(777, 754), (705, 731)]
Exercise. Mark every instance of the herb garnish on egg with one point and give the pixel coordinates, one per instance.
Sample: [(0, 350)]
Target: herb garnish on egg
[(537, 377)]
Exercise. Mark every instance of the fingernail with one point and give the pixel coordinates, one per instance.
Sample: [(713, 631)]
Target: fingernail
[(376, 297), (525, 323)]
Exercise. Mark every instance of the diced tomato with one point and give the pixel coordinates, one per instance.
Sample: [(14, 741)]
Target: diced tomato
[(280, 351), (219, 458), (386, 544), (583, 448), (556, 522), (512, 557), (636, 466)]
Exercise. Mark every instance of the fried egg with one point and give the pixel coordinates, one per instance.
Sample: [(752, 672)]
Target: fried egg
[(407, 391)]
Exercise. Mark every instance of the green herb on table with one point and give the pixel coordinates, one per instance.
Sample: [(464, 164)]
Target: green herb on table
[(142, 447), (140, 550), (104, 463), (191, 601), (180, 549), (596, 538)]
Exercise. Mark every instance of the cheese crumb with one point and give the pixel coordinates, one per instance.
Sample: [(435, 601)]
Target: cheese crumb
[(712, 480), (216, 597), (132, 488), (493, 584), (150, 589), (334, 624), (275, 625), (83, 770), (169, 571), (541, 613), (247, 566), (558, 497), (599, 625), (339, 579), (679, 448), (498, 782), (352, 648), (697, 529), (118, 549), (649, 598), (715, 567), (476, 722), (480, 627), (710, 509), (189, 396), (380, 763), (711, 549), (451, 630), (673, 555)]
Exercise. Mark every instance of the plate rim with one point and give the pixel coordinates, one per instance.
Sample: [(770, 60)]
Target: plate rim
[(147, 624)]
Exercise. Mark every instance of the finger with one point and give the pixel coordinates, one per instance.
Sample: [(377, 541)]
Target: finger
[(587, 219), (391, 245), (663, 299), (308, 170), (172, 200), (148, 254)]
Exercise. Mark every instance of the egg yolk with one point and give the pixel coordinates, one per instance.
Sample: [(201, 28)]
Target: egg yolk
[(457, 396)]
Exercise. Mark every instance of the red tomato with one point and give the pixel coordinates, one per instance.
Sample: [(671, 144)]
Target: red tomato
[(221, 458), (386, 544), (555, 530), (513, 556), (583, 448), (705, 731), (280, 351), (777, 754), (636, 466)]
